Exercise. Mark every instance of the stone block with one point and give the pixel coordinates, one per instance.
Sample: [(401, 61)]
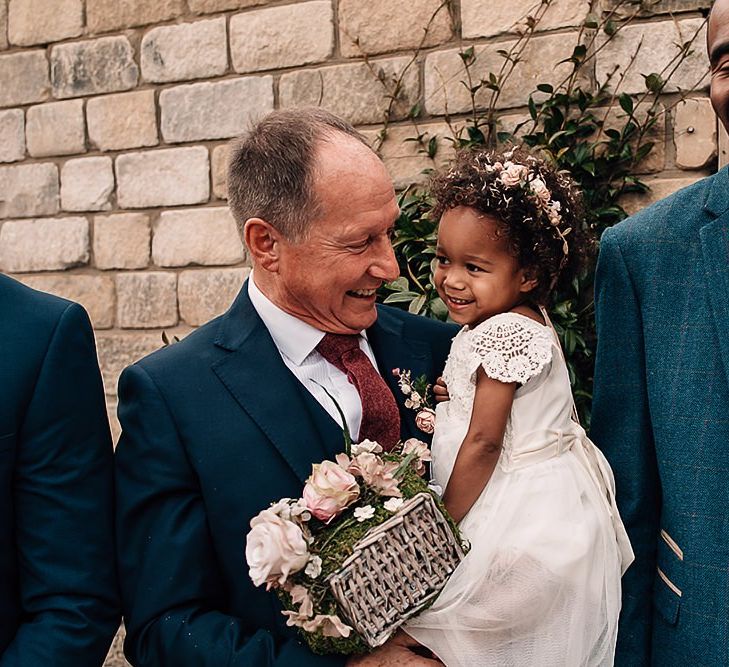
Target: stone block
[(92, 67), (122, 241), (282, 36), (44, 244), (56, 129), (373, 27), (659, 189), (359, 92), (40, 22), (94, 292), (108, 15), (167, 177), (122, 121), (87, 184), (214, 110), (119, 350), (3, 25), (211, 6), (207, 293), (495, 17), (660, 41), (146, 300), (654, 7), (12, 135), (24, 77), (405, 157), (28, 190), (185, 51), (115, 427), (694, 133), (207, 236), (220, 171), (445, 73)]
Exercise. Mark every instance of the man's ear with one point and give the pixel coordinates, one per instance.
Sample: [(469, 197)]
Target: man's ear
[(263, 241), (529, 280)]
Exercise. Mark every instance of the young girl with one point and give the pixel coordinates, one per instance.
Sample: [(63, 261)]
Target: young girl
[(532, 494)]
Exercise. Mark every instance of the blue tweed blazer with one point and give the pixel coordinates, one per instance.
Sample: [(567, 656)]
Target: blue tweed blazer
[(661, 415)]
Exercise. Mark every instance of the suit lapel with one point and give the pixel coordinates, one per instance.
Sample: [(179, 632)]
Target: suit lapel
[(267, 391), (393, 349), (715, 248)]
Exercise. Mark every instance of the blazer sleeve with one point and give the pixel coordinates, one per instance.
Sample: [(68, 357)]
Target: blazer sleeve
[(172, 593), (621, 427), (63, 509)]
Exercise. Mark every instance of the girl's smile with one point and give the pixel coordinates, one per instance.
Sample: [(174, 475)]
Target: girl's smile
[(476, 274)]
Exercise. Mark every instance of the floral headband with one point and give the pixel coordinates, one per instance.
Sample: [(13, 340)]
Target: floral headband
[(513, 175)]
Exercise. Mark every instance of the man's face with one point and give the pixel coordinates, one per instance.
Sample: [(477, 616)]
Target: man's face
[(329, 279), (718, 46)]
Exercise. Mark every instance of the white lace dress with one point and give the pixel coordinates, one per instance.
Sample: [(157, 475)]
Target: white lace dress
[(541, 584)]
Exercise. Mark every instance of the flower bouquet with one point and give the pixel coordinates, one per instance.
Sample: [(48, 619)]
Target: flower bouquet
[(367, 546)]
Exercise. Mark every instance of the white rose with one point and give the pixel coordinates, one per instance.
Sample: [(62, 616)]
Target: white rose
[(275, 548)]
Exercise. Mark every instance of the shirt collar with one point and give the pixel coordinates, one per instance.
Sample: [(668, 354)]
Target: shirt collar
[(294, 338)]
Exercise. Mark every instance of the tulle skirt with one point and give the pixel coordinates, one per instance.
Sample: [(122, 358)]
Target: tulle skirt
[(541, 583)]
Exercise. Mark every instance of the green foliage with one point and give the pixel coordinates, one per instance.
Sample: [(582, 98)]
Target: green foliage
[(600, 136)]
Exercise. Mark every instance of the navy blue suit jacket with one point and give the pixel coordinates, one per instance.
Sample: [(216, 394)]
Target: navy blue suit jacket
[(661, 415), (58, 594), (215, 428)]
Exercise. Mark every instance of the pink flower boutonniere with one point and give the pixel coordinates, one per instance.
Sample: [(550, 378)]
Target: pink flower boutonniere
[(418, 397)]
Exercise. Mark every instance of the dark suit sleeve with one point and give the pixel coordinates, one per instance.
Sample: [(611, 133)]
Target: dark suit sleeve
[(63, 509), (172, 591), (621, 428)]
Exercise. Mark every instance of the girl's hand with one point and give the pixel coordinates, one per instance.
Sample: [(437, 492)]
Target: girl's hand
[(440, 391)]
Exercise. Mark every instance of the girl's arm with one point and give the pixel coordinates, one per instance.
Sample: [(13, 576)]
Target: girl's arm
[(481, 447)]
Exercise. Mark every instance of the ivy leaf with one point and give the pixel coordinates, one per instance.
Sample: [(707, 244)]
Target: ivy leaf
[(626, 103), (610, 28), (545, 88)]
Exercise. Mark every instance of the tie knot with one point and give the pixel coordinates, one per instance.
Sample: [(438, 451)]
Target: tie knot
[(334, 346)]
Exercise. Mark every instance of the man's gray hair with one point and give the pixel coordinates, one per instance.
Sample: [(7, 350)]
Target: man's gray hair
[(271, 169)]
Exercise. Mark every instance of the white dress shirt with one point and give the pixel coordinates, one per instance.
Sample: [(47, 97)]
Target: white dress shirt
[(296, 342)]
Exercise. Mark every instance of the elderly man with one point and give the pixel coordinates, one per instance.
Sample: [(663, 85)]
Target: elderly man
[(218, 426), (58, 592), (661, 407)]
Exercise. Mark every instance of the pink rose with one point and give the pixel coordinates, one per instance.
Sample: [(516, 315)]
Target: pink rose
[(329, 490), (275, 548), (376, 473), (425, 420), (513, 174), (422, 453)]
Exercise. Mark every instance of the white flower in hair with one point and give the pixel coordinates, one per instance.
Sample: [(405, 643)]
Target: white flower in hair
[(539, 188)]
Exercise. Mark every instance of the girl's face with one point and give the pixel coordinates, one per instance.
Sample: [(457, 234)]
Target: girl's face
[(475, 274)]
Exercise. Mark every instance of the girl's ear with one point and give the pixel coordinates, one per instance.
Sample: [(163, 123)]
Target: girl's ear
[(528, 280), (263, 241)]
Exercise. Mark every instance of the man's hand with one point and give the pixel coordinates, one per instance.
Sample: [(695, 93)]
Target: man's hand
[(440, 391), (395, 652)]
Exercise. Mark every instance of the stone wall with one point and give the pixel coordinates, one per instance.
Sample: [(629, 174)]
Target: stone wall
[(114, 117)]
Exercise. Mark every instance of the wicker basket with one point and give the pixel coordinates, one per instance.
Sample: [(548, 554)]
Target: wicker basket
[(396, 569)]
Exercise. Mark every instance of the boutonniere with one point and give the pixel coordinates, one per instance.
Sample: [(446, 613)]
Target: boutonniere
[(419, 397)]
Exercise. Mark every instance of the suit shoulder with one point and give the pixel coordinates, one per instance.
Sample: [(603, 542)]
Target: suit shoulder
[(35, 315), (197, 345), (676, 216), (419, 326)]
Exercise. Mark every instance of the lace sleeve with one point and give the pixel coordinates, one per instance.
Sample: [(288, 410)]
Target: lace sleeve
[(510, 348)]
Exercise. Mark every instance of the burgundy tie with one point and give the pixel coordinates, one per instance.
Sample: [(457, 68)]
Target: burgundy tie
[(380, 416)]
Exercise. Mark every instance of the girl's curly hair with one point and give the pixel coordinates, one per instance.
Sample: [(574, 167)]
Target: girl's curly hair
[(539, 210)]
